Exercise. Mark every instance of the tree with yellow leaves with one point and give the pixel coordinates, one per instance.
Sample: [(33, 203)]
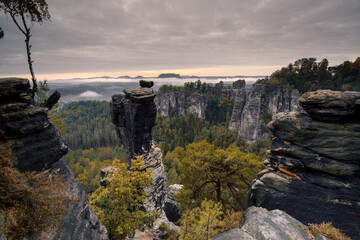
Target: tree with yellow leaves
[(119, 204)]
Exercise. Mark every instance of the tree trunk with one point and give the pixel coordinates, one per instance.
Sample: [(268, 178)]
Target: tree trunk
[(30, 62)]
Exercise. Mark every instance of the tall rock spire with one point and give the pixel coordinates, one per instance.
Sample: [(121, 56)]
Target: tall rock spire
[(134, 112)]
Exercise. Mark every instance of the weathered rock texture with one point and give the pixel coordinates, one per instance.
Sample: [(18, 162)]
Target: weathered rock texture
[(133, 113), (37, 145), (313, 167), (178, 102), (260, 224), (172, 207), (253, 110), (35, 140)]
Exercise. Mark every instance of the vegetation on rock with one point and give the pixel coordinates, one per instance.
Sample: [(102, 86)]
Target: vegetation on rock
[(119, 205), (308, 75), (30, 202)]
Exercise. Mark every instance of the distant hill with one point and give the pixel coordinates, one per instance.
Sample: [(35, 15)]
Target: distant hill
[(169, 75)]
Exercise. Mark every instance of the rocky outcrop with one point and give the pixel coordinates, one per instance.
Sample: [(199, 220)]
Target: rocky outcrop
[(313, 166), (178, 103), (133, 113), (172, 207), (262, 224), (34, 139), (253, 110), (37, 145), (79, 221)]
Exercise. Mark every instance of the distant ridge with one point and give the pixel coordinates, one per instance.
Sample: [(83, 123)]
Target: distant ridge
[(169, 75)]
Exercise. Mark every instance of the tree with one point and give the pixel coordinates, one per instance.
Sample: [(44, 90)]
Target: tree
[(21, 11), (119, 205), (1, 33), (202, 222), (222, 175)]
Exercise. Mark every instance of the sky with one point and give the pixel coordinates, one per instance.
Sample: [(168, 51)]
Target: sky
[(88, 38)]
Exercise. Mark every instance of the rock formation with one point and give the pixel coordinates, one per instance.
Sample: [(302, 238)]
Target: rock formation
[(37, 145), (172, 207), (262, 224), (179, 102), (313, 166), (133, 113), (253, 110)]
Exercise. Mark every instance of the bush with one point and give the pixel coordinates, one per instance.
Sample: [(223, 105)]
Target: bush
[(327, 230), (31, 202)]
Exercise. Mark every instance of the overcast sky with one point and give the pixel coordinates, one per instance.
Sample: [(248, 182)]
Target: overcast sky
[(201, 37)]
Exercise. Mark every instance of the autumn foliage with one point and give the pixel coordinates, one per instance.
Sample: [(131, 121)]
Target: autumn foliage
[(119, 205), (30, 202)]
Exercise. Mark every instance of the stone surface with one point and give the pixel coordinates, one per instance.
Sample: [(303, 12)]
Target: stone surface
[(35, 140), (313, 168), (327, 105), (251, 110), (233, 234), (178, 102), (79, 221), (146, 84), (261, 224), (37, 145), (172, 207), (133, 113)]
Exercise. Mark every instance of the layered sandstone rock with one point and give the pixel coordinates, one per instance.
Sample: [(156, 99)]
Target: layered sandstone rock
[(133, 113), (37, 145), (254, 109), (313, 166)]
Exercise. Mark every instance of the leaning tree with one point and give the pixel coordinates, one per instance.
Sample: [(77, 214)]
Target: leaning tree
[(25, 13)]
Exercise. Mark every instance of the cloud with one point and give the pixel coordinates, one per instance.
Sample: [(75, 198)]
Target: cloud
[(90, 94), (128, 35)]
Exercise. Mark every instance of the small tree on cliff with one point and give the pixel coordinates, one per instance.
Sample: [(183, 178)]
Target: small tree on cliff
[(21, 11)]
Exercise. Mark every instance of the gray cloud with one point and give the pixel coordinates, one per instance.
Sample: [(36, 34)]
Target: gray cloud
[(126, 35)]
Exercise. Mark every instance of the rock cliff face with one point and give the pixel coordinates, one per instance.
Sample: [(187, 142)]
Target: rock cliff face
[(313, 167), (180, 102), (133, 113), (253, 110), (37, 145), (172, 102)]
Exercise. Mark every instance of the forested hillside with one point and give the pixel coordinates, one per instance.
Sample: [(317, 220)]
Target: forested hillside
[(89, 125), (307, 74)]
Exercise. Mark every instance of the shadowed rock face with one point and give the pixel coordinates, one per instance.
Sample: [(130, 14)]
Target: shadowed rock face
[(133, 113), (313, 167), (250, 109), (37, 145), (35, 140)]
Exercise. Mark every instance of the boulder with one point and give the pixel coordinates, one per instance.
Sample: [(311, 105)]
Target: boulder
[(261, 224), (327, 105)]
